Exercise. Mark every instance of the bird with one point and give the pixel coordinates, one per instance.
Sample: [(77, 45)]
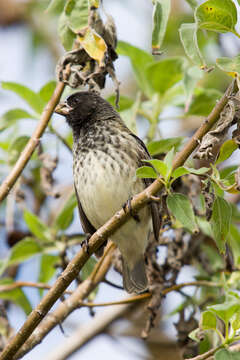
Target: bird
[(106, 155)]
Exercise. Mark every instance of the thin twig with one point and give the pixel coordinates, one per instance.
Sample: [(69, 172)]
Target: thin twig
[(209, 353), (87, 332), (20, 284), (98, 238), (110, 283), (147, 295), (32, 143)]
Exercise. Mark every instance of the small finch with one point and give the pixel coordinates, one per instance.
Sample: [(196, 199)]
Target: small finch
[(106, 155)]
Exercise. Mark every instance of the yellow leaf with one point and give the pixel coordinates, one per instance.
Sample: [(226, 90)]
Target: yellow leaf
[(94, 3), (93, 44)]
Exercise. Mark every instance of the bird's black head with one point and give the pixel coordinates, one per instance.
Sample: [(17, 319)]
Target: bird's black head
[(84, 106)]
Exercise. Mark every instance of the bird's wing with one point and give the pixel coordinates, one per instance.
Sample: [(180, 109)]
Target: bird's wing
[(86, 225), (156, 219)]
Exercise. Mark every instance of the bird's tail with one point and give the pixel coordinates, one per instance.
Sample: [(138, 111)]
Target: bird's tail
[(135, 280)]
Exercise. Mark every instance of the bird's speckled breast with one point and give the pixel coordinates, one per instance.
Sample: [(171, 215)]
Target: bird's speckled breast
[(105, 162)]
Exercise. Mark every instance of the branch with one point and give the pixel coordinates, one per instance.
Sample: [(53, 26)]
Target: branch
[(87, 332), (100, 322), (32, 143), (209, 353), (98, 238), (147, 295), (73, 302)]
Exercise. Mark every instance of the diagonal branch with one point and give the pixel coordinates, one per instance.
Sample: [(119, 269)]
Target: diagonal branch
[(105, 232), (101, 321), (87, 332), (75, 301)]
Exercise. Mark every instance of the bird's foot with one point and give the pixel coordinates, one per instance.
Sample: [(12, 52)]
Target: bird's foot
[(155, 199), (85, 243), (128, 205)]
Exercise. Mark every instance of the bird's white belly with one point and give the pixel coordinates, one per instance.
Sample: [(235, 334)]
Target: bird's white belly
[(104, 187)]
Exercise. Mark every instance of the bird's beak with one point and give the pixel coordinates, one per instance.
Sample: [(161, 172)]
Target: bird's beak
[(63, 109)]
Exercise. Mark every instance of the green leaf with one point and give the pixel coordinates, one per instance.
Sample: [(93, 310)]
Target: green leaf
[(199, 171), (33, 99), (190, 80), (208, 321), (163, 74), (174, 96), (161, 11), (24, 250), (56, 6), (47, 90), (204, 102), (192, 3), (11, 116), (124, 102), (181, 208), (159, 166), (235, 213), (146, 172), (228, 171), (139, 60), (16, 148), (129, 115), (204, 226), (66, 35), (213, 257), (188, 37), (235, 321), (196, 335), (180, 172), (233, 239), (88, 268), (226, 310), (168, 160), (217, 15), (37, 227), (231, 66), (165, 145), (17, 296), (47, 269), (69, 139), (65, 217), (220, 222), (184, 170), (4, 145), (76, 12), (226, 150), (85, 273), (224, 354)]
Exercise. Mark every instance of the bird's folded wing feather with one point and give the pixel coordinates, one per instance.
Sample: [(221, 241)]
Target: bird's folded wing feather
[(156, 219), (88, 228)]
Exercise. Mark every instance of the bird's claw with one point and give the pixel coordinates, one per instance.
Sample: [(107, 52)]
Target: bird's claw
[(128, 205), (85, 243)]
